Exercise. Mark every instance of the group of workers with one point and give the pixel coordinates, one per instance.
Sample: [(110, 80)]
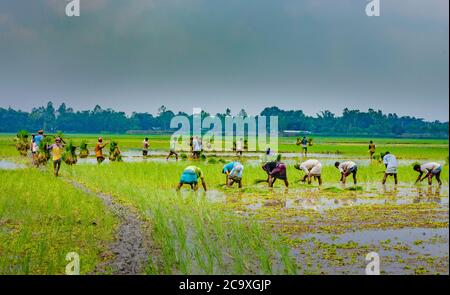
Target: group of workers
[(275, 169), (312, 169)]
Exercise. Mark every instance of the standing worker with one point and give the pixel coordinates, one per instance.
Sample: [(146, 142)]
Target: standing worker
[(173, 149), (99, 150), (430, 170), (372, 148), (239, 147), (304, 143), (390, 162), (57, 150), (145, 146)]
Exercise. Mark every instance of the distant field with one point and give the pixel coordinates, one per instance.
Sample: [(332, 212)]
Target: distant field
[(403, 148)]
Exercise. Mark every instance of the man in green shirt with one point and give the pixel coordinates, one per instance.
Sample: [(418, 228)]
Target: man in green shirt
[(190, 176)]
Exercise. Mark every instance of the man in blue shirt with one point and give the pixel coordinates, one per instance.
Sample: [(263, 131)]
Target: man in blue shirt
[(234, 171), (38, 138)]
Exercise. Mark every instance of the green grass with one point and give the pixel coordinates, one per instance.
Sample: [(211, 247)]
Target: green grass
[(194, 236), (42, 219)]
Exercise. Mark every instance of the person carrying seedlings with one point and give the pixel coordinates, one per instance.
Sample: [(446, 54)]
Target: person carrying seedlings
[(234, 171), (276, 170), (190, 176), (145, 146), (99, 150), (239, 147), (312, 168), (57, 151), (430, 169), (173, 149), (38, 138), (304, 143), (371, 149), (346, 168), (390, 162)]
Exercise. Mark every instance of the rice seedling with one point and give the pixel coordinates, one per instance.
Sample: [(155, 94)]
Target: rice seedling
[(69, 156), (114, 152), (22, 142), (43, 154), (84, 151)]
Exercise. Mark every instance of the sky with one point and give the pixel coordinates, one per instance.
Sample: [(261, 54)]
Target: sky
[(313, 55)]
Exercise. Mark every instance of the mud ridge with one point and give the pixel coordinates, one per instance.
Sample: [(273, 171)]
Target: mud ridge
[(131, 247)]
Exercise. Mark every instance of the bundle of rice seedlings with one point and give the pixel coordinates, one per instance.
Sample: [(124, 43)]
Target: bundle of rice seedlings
[(43, 155), (203, 157), (22, 144), (69, 156), (183, 156), (310, 141), (114, 152), (212, 161), (84, 152)]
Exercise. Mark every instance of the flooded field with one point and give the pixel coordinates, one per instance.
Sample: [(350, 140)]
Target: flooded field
[(303, 229)]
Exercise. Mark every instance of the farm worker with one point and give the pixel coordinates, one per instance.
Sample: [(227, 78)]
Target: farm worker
[(190, 176), (34, 147), (173, 149), (38, 138), (234, 171), (239, 147), (276, 170), (346, 168), (390, 162), (145, 146), (99, 150), (371, 149), (57, 150), (312, 168), (430, 170), (197, 148), (304, 143)]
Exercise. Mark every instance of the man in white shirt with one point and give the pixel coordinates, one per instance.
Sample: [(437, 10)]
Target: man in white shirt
[(312, 168), (430, 170), (197, 148), (390, 162), (239, 147), (346, 168)]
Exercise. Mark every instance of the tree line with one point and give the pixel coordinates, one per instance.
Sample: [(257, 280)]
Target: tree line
[(99, 120)]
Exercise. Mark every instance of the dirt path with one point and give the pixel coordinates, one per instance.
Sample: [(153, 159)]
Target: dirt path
[(131, 247)]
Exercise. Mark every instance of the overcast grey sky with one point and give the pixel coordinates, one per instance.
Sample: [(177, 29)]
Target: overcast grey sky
[(136, 55)]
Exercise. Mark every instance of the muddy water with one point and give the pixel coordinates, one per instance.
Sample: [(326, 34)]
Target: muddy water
[(426, 241), (7, 165)]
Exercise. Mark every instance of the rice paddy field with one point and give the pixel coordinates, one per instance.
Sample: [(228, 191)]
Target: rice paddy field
[(127, 217)]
